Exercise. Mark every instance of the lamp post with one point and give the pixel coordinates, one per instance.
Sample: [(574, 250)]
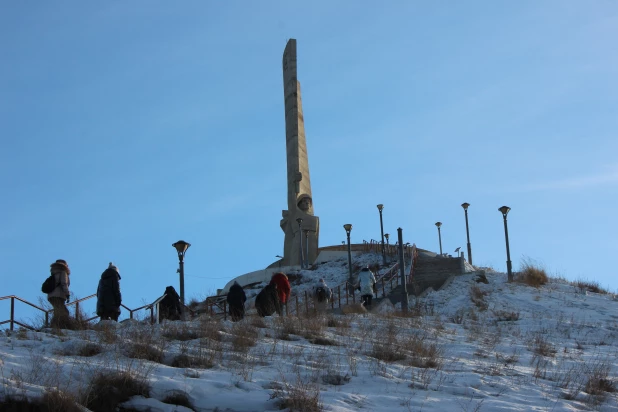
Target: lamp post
[(505, 211), (386, 235), (181, 247), (348, 229), (300, 242), (465, 207), (438, 224), (380, 207)]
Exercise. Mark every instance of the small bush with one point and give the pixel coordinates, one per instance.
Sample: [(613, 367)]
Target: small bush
[(178, 398), (107, 391), (52, 401)]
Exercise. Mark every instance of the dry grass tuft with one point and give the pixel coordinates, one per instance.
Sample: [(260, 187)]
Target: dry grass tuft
[(323, 341), (178, 398), (108, 390), (181, 331), (590, 286), (477, 296), (89, 349), (51, 401), (258, 322), (300, 396), (506, 316), (423, 354), (244, 337), (532, 274), (145, 351)]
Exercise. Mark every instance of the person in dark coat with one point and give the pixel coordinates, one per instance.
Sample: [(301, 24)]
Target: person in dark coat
[(108, 294), (61, 318), (236, 299), (267, 301), (169, 307)]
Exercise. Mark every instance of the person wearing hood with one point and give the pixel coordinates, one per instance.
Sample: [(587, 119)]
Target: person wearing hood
[(366, 281), (109, 297), (322, 295), (57, 297), (236, 299), (170, 307)]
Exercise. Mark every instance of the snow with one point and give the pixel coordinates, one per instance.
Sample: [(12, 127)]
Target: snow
[(488, 354)]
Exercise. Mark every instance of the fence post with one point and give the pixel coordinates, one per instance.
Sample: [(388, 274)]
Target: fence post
[(77, 310), (347, 293), (306, 302), (46, 318), (224, 310), (383, 292), (296, 296), (339, 294), (130, 314), (12, 311), (151, 314)]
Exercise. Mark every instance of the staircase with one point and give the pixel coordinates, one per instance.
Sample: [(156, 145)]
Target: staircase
[(433, 270)]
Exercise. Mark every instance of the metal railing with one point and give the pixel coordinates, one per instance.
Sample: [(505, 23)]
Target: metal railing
[(153, 307)]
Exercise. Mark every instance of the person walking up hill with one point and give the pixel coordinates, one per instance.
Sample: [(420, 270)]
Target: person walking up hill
[(366, 280), (57, 297), (283, 288), (321, 296), (109, 297), (236, 299)]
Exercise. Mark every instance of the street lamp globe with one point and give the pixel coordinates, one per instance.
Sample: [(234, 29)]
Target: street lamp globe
[(347, 227), (181, 247), (465, 205), (438, 224), (505, 210)]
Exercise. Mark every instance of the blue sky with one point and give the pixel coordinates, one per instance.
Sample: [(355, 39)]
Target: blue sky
[(127, 126)]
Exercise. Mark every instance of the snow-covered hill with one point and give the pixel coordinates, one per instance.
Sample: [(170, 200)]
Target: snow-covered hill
[(467, 347)]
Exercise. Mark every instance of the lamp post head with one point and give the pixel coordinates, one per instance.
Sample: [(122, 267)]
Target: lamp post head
[(386, 235), (348, 228), (380, 207), (504, 210), (465, 205), (438, 224), (181, 247), (299, 220)]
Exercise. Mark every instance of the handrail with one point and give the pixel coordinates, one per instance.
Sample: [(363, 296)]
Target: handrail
[(13, 321)]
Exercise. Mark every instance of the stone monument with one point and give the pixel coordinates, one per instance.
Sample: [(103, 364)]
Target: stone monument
[(300, 201)]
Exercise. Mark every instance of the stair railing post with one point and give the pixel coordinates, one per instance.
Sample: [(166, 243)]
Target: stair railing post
[(339, 294), (12, 311), (402, 271), (77, 310)]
